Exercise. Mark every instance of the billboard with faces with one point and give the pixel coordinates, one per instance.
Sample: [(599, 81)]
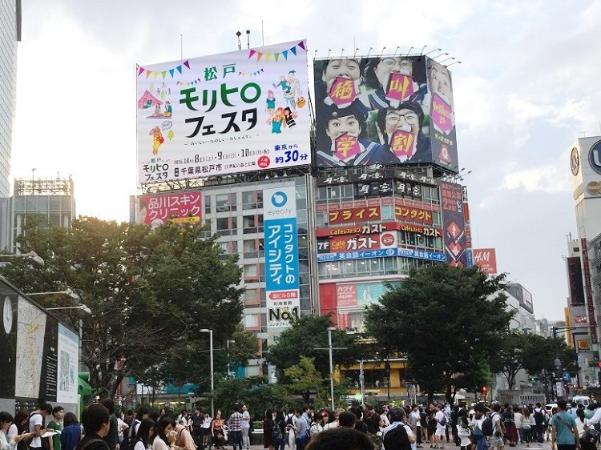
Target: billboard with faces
[(384, 110)]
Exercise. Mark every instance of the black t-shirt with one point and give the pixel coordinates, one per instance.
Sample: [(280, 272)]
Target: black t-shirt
[(112, 439), (92, 442)]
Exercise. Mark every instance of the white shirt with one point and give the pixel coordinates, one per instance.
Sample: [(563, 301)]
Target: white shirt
[(330, 425), (36, 419), (12, 434), (596, 417), (140, 446), (4, 445), (159, 444), (518, 417), (245, 423), (439, 418), (207, 422)]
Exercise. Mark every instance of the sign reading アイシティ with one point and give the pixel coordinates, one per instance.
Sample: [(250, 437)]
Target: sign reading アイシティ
[(282, 282), (229, 113)]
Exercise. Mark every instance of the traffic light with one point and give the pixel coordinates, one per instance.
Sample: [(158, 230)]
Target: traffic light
[(484, 389)]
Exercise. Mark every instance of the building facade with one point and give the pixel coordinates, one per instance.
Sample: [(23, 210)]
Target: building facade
[(10, 34)]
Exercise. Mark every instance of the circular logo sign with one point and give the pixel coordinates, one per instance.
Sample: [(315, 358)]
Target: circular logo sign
[(594, 188), (575, 161), (387, 239), (7, 315), (263, 162), (594, 157), (279, 199)]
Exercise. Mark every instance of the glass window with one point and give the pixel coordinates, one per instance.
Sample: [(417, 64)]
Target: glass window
[(387, 212), (347, 191), (226, 225), (250, 224), (333, 192), (249, 249), (322, 193), (436, 218), (250, 271), (225, 202), (321, 219), (251, 297), (207, 204)]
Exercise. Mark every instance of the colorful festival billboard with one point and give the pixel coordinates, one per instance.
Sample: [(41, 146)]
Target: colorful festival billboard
[(384, 110), (234, 112)]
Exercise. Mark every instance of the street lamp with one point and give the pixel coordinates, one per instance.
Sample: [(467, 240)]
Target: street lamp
[(29, 255), (330, 329), (206, 330)]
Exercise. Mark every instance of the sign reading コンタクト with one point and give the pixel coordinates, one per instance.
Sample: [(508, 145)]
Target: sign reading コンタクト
[(282, 284), (223, 114)]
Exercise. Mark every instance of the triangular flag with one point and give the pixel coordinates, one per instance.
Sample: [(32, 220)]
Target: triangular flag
[(276, 56), (293, 50), (251, 52), (179, 69), (259, 54), (171, 72), (155, 75), (285, 53), (267, 56), (187, 63), (164, 74), (301, 44), (140, 70), (148, 72)]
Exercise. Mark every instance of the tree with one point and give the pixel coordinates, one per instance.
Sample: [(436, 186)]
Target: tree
[(509, 358), (254, 392), (150, 291), (308, 337), (445, 320), (305, 379), (540, 353)]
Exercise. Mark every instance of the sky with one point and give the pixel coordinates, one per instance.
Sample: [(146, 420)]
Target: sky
[(526, 88)]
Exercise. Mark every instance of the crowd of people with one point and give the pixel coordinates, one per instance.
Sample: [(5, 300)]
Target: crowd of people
[(357, 427)]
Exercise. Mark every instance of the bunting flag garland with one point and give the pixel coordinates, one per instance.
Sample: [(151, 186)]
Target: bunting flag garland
[(251, 74), (189, 83), (180, 68), (275, 56)]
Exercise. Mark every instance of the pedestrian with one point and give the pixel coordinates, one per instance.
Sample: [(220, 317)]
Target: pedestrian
[(218, 433), (398, 435), (564, 432), (36, 425), (291, 431), (122, 427), (510, 429), (539, 420), (441, 428), (245, 427), (18, 434), (56, 424), (476, 425), (463, 429), (279, 431), (207, 420), (497, 441), (6, 421), (145, 436), (340, 439), (347, 419), (518, 417), (71, 434), (96, 424), (358, 413), (163, 435), (301, 430), (268, 430), (527, 426), (234, 425), (183, 438)]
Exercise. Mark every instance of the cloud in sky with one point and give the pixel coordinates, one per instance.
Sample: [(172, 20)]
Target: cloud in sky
[(527, 87)]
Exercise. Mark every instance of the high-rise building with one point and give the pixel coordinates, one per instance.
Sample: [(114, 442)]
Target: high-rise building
[(10, 34)]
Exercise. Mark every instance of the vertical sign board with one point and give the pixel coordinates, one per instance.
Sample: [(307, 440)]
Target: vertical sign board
[(588, 289), (451, 197), (31, 327), (68, 360), (50, 360), (281, 256), (8, 341), (575, 281)]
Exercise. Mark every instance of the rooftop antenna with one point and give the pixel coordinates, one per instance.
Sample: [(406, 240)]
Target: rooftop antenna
[(454, 62), (422, 50), (410, 48), (382, 52), (356, 50), (329, 51), (396, 50), (432, 51), (239, 42), (315, 54), (369, 51), (248, 39), (341, 52)]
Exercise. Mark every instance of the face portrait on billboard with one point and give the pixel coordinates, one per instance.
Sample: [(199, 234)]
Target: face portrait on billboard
[(340, 81), (440, 81)]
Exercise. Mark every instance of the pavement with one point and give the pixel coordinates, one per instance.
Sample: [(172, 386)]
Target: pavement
[(533, 446)]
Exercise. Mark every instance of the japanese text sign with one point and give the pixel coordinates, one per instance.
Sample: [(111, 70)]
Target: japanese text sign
[(412, 214), (175, 207), (453, 220), (223, 114), (363, 214), (282, 281)]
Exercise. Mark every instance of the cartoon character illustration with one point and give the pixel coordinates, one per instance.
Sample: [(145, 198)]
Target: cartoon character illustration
[(289, 117), (168, 109), (270, 103), (293, 91), (283, 84), (157, 139), (277, 120)]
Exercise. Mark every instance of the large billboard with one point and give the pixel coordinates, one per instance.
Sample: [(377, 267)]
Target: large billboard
[(282, 277), (453, 220), (575, 281), (384, 110), (223, 114), (486, 260), (174, 207), (68, 363)]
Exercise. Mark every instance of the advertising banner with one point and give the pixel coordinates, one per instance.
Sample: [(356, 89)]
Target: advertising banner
[(485, 259), (48, 382), (387, 110), (176, 207), (223, 114), (376, 228), (31, 327), (383, 253), (8, 341), (451, 198), (282, 282), (68, 360), (412, 214), (362, 214), (347, 243), (575, 281), (588, 289)]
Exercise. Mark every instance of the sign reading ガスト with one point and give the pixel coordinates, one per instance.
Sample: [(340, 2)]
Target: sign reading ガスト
[(282, 284), (222, 114)]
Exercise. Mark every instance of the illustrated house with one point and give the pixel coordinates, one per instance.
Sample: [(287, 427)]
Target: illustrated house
[(148, 100)]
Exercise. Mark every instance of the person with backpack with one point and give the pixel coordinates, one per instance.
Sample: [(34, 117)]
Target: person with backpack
[(564, 432), (441, 428), (398, 435), (36, 425), (539, 423), (477, 425), (497, 439), (278, 433), (96, 426)]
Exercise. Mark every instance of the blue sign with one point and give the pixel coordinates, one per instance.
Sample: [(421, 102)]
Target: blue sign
[(383, 253), (279, 199), (281, 254)]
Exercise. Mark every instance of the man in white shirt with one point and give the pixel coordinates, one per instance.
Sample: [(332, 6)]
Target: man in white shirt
[(36, 425), (397, 418), (415, 424), (245, 427), (441, 428)]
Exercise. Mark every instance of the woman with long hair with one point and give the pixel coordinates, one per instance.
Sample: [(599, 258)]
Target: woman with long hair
[(218, 431), (163, 437), (18, 432), (268, 430), (145, 435), (528, 423), (71, 434)]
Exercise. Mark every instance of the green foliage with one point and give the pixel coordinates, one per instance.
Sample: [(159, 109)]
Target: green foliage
[(151, 291), (446, 320), (305, 379), (308, 337), (254, 392)]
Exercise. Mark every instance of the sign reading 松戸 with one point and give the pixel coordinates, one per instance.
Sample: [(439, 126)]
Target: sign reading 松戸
[(223, 114)]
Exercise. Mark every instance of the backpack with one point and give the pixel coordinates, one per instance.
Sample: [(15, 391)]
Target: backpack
[(397, 439), (539, 417), (487, 426), (276, 431), (443, 421)]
